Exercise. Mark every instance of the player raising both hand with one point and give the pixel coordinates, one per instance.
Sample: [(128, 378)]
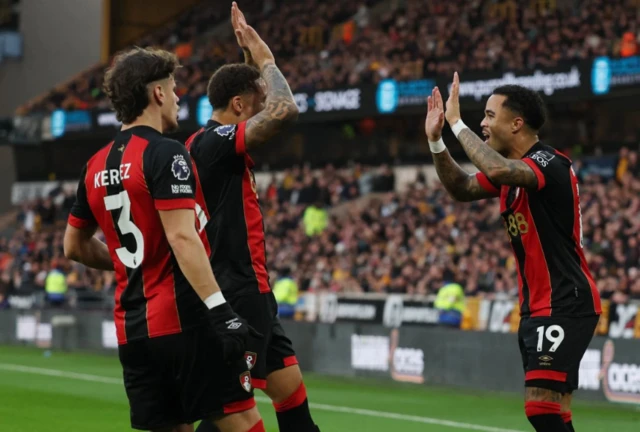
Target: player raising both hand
[(540, 205)]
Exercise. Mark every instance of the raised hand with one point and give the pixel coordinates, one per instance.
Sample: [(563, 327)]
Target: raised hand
[(434, 122), (238, 19), (453, 103), (249, 38)]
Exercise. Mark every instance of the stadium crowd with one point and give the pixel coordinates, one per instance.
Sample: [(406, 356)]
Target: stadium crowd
[(322, 45), (373, 239)]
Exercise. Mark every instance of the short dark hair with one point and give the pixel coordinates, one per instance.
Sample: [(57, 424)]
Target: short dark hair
[(126, 81), (230, 81), (524, 102)]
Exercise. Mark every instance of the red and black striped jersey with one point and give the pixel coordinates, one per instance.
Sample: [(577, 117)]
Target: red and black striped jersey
[(122, 188), (235, 228), (545, 230)]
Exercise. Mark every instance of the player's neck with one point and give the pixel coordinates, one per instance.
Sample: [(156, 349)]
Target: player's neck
[(521, 146), (146, 119), (224, 118)]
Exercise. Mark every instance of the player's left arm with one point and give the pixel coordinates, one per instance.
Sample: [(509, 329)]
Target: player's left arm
[(500, 170), (79, 242)]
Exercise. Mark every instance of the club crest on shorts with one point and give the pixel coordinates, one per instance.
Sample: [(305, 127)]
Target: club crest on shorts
[(245, 381), (251, 359)]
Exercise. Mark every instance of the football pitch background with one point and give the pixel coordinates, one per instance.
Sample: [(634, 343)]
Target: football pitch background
[(60, 392)]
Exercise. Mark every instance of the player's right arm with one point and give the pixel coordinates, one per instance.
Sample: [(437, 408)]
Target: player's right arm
[(280, 107), (171, 182), (172, 187), (79, 243), (461, 185)]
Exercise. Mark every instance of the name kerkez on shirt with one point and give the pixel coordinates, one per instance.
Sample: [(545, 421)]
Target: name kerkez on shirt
[(111, 176)]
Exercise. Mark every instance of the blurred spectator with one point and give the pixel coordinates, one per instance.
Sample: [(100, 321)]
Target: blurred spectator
[(383, 242), (285, 290), (315, 219), (322, 45), (56, 285)]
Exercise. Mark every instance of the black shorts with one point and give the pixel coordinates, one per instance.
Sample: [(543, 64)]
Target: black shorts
[(275, 350), (181, 378), (552, 348)]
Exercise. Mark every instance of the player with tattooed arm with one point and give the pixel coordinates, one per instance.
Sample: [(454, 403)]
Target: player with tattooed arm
[(245, 116), (540, 205)]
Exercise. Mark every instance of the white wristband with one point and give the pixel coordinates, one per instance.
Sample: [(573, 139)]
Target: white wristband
[(214, 300), (437, 146), (458, 127)]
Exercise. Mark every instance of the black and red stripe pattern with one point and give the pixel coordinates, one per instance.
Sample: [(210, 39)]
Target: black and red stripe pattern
[(544, 227), (235, 228), (141, 173)]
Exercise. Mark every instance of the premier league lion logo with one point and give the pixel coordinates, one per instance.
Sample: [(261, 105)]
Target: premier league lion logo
[(226, 130), (180, 168)]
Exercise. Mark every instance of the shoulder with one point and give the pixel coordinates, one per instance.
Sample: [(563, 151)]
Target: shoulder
[(168, 152), (220, 133), (224, 131), (164, 147), (545, 156)]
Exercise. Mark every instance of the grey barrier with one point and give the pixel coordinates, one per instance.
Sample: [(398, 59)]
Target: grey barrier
[(610, 370)]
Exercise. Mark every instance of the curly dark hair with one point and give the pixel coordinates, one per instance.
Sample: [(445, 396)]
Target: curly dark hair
[(524, 102), (126, 81), (230, 81)]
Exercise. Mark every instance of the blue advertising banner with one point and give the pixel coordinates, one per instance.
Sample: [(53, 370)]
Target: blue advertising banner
[(566, 83), (608, 74)]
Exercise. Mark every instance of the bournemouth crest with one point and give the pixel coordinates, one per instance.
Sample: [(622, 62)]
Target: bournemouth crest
[(245, 381), (251, 359)]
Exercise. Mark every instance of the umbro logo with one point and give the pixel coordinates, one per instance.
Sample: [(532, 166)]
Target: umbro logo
[(234, 325)]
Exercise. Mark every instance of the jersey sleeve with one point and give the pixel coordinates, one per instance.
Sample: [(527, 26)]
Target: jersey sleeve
[(548, 167), (81, 215), (487, 185), (170, 177), (223, 143)]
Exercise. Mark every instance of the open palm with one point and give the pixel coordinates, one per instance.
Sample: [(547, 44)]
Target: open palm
[(239, 23), (435, 116)]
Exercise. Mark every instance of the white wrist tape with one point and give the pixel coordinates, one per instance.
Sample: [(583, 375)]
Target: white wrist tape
[(458, 127), (214, 300), (437, 146)]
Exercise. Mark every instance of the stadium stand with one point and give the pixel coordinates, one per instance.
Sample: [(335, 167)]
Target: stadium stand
[(400, 240), (376, 239), (325, 45)]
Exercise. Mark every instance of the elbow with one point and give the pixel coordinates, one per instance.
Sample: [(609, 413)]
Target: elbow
[(182, 239), (497, 176), (71, 249), (291, 113)]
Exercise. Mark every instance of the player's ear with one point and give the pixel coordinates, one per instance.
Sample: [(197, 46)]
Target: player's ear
[(517, 124), (158, 93), (237, 104)]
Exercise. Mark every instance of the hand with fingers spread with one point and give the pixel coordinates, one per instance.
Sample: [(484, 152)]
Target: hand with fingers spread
[(248, 38), (453, 103), (435, 116)]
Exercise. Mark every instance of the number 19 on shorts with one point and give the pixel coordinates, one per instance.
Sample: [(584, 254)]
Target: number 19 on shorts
[(554, 334)]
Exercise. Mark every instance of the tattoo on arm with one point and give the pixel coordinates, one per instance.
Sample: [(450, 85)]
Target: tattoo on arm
[(279, 112), (535, 394), (499, 169), (461, 185)]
